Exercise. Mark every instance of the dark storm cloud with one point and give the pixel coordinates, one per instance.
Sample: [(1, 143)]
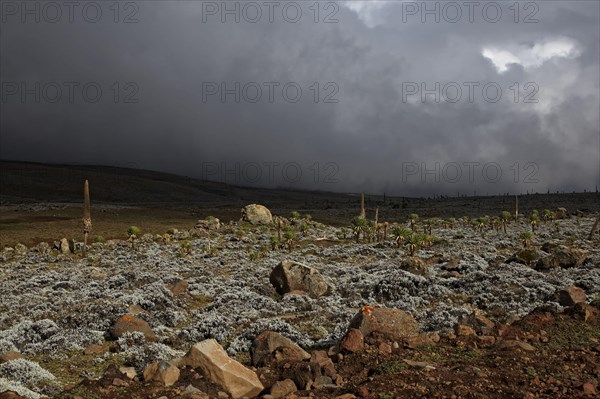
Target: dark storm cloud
[(373, 139)]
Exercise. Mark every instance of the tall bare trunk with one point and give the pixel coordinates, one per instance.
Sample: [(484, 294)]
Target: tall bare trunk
[(516, 208), (362, 205), (87, 216)]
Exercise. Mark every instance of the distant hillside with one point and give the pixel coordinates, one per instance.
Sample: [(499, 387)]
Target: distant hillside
[(31, 182)]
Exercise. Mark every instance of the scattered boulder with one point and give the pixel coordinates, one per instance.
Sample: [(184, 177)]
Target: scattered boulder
[(65, 248), (464, 331), (162, 372), (353, 341), (128, 323), (270, 346), (257, 214), (129, 372), (528, 256), (291, 276), (415, 265), (283, 388), (395, 324), (210, 223), (10, 355), (214, 362), (564, 257), (571, 295), (323, 360)]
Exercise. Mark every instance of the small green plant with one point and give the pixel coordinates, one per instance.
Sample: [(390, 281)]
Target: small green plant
[(414, 242), (275, 242), (186, 247), (428, 225), (548, 215), (307, 217), (413, 219), (534, 220), (526, 238), (133, 232), (360, 225), (99, 239), (496, 223), (295, 215), (505, 216), (304, 228), (400, 234), (289, 237)]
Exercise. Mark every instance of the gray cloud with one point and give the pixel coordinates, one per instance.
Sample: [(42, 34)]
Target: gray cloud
[(368, 140)]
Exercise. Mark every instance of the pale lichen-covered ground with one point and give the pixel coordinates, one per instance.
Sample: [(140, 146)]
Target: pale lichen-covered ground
[(53, 305)]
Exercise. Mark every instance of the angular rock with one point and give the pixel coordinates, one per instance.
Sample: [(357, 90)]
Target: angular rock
[(290, 276), (270, 346), (527, 256), (231, 375), (128, 323), (464, 331), (571, 295), (162, 372), (129, 372), (257, 214), (210, 223), (64, 246), (323, 360), (395, 324), (514, 344), (564, 257), (423, 339), (353, 341), (283, 388), (415, 265)]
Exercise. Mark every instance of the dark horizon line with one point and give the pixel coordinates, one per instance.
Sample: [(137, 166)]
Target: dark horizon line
[(288, 189)]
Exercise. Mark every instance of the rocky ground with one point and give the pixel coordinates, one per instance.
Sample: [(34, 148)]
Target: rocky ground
[(471, 315)]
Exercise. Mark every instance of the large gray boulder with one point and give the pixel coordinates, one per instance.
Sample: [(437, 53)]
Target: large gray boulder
[(294, 276)]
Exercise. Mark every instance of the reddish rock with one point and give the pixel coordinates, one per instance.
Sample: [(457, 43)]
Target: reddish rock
[(10, 355), (464, 331), (353, 341), (385, 348), (283, 388), (363, 391), (128, 323), (589, 388), (394, 324), (321, 358)]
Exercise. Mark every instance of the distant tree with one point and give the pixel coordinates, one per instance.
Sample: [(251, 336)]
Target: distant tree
[(360, 225), (505, 216), (413, 218)]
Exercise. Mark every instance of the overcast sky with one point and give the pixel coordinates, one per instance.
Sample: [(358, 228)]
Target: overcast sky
[(490, 98)]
